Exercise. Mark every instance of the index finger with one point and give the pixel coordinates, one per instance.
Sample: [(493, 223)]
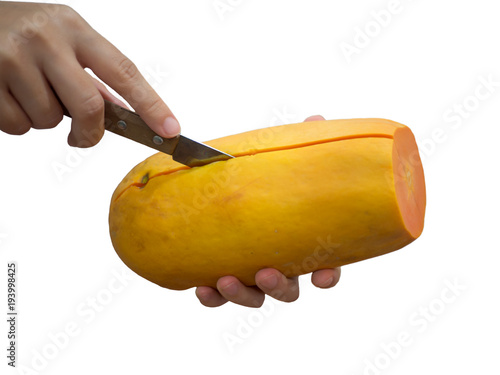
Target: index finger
[(120, 73)]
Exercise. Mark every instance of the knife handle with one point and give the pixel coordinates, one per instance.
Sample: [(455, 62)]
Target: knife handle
[(130, 125)]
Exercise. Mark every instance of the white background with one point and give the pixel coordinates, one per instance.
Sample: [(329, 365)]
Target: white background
[(223, 73)]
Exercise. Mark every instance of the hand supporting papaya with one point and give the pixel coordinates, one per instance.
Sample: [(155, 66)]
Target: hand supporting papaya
[(269, 281), (44, 49)]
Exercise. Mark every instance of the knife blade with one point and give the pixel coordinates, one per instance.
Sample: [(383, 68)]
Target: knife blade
[(130, 125), (184, 150)]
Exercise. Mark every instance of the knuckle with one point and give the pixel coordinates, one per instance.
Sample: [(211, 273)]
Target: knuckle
[(22, 129), (15, 127), (89, 136), (127, 70), (92, 107), (292, 298), (85, 138), (152, 107), (12, 120), (49, 120), (68, 15), (67, 20), (258, 303), (9, 61)]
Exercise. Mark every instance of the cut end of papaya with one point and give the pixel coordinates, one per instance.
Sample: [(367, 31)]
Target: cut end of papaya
[(409, 181)]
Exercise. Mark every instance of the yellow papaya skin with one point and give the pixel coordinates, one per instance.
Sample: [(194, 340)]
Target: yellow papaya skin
[(297, 197)]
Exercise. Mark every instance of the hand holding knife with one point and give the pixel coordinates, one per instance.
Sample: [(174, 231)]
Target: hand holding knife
[(130, 125)]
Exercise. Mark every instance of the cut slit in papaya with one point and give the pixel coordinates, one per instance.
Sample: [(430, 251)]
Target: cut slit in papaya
[(237, 155)]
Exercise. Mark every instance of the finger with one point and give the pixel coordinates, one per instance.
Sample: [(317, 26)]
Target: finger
[(13, 119), (106, 94), (277, 285), (326, 278), (233, 290), (209, 296), (314, 118), (35, 96), (114, 68), (81, 98)]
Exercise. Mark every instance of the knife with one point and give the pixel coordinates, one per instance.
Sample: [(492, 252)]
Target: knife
[(130, 125)]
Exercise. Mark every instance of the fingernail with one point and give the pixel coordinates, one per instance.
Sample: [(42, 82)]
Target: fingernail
[(270, 282), (171, 127), (231, 289)]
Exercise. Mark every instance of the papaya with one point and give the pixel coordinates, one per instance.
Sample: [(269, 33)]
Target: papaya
[(296, 197)]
